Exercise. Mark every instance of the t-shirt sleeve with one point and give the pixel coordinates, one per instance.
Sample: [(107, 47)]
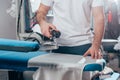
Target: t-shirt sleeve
[(96, 3), (47, 2)]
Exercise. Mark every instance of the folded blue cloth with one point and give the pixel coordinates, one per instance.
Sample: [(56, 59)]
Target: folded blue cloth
[(16, 45)]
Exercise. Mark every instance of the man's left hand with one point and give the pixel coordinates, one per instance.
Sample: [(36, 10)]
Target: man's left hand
[(94, 52)]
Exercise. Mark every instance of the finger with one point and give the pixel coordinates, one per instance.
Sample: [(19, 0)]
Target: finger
[(100, 54), (93, 55), (86, 53), (96, 55), (52, 27), (47, 33)]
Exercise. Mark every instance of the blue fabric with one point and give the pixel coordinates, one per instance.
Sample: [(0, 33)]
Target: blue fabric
[(15, 60), (76, 50), (93, 67), (16, 45)]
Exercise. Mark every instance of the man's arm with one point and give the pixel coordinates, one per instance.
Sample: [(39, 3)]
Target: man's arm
[(98, 16), (41, 19), (41, 13)]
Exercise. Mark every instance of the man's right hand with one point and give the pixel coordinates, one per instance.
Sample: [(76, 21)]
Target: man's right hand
[(46, 28), (41, 19)]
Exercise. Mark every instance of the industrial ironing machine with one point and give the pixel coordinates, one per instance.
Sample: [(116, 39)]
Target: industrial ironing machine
[(17, 55)]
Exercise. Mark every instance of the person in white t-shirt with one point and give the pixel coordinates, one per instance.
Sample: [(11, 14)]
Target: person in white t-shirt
[(72, 19)]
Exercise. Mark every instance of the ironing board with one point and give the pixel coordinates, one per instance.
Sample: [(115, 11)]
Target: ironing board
[(17, 59)]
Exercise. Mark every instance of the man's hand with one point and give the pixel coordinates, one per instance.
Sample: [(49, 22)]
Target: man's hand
[(94, 51), (46, 28), (41, 19)]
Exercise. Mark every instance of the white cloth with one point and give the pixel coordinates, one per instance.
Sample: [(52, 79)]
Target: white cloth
[(66, 69), (57, 66), (57, 74), (72, 18)]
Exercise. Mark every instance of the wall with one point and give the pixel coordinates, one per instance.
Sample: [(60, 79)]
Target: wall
[(7, 23)]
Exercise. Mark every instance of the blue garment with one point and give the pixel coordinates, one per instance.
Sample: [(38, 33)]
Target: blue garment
[(76, 50)]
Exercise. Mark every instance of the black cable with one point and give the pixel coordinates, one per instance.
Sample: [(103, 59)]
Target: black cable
[(18, 18), (27, 16)]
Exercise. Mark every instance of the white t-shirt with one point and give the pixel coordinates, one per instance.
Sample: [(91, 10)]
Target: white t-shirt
[(72, 18)]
